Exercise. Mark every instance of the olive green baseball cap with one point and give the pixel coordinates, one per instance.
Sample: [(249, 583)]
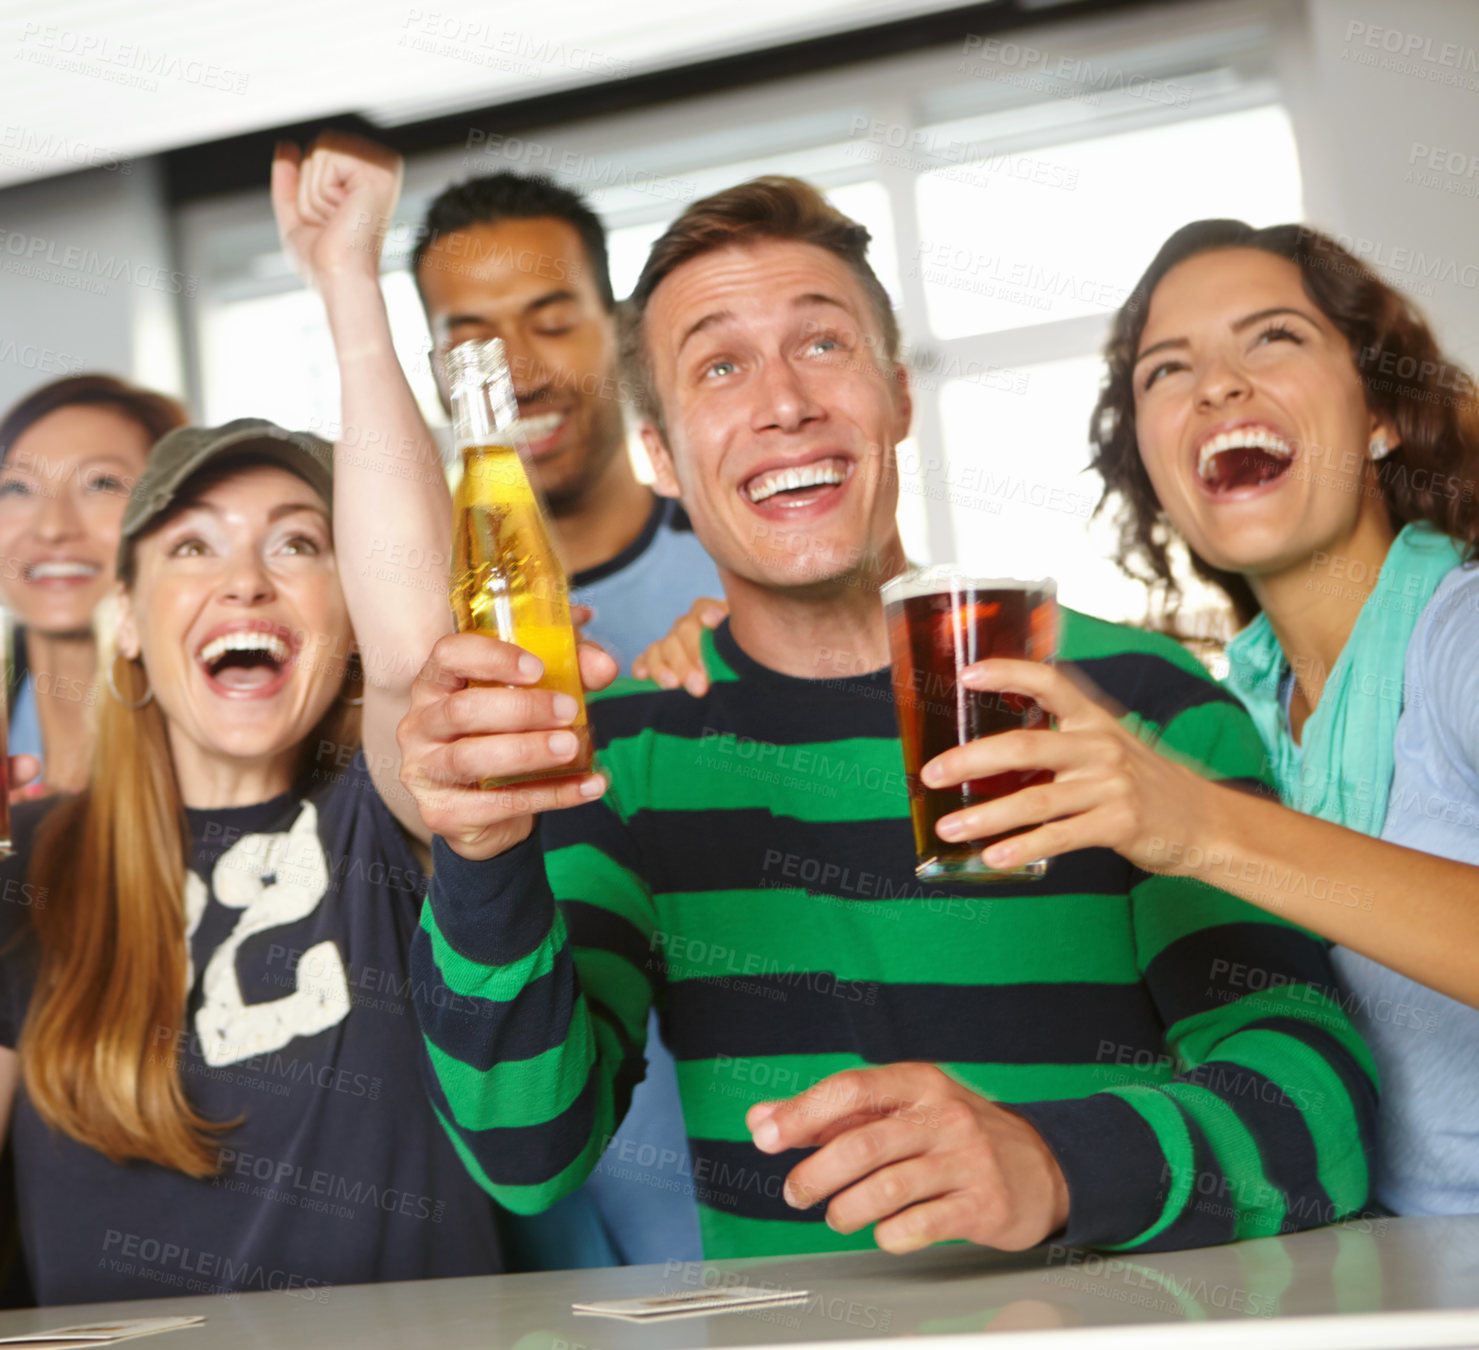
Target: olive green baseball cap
[(180, 455)]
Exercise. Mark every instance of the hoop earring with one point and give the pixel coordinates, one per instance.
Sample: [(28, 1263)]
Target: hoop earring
[(113, 687), (354, 666)]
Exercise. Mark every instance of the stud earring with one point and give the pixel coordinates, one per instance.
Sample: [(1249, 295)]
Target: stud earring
[(1378, 449)]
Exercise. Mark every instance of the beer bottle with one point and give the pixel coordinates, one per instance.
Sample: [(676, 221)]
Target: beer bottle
[(506, 578)]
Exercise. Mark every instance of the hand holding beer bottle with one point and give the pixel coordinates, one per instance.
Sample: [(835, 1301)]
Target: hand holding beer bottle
[(478, 715), (506, 578), (496, 730)]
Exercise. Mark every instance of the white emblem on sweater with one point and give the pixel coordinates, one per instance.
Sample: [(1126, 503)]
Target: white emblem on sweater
[(274, 879)]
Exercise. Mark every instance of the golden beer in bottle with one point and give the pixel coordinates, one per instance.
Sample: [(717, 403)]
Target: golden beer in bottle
[(506, 579)]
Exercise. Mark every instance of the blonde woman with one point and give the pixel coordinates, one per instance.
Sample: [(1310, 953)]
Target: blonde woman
[(212, 1077)]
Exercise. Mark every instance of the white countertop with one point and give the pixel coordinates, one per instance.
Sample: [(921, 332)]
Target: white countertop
[(1397, 1282)]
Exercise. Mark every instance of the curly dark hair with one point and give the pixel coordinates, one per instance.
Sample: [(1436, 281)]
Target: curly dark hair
[(1430, 476)]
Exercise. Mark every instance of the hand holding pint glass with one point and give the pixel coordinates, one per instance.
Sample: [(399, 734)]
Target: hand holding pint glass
[(941, 620)]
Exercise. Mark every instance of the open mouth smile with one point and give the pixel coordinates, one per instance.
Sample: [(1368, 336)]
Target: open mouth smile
[(1242, 459), (793, 487), (247, 661), (541, 431), (61, 572)]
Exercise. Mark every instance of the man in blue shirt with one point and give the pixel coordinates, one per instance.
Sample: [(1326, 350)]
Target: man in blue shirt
[(523, 259)]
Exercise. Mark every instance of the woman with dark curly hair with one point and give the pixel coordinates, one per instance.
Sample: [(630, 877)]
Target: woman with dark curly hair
[(1275, 406)]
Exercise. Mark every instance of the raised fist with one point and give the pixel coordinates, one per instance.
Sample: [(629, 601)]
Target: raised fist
[(334, 207)]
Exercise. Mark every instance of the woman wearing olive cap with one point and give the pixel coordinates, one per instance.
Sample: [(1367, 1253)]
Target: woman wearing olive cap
[(211, 1079)]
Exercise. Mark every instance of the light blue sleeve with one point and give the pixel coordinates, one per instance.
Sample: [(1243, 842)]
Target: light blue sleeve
[(1448, 664), (25, 721), (641, 601)]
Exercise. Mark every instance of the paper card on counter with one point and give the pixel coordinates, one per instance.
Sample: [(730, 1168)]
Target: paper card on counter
[(694, 1303), (98, 1333)]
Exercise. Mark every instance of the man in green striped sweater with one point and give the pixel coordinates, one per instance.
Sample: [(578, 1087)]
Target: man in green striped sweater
[(1081, 1057)]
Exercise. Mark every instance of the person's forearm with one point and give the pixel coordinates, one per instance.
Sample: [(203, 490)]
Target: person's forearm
[(10, 1073), (1414, 912), (1271, 1107), (522, 1074), (392, 509)]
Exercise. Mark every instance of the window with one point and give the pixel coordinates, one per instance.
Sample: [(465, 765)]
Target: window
[(271, 356), (1070, 229), (1014, 471), (1016, 239), (1011, 212)]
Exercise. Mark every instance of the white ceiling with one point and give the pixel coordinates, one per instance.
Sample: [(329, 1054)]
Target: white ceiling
[(85, 82)]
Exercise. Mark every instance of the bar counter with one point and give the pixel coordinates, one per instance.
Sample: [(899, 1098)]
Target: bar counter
[(1393, 1282)]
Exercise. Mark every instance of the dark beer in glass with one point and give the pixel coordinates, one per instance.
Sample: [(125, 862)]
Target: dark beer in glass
[(941, 620)]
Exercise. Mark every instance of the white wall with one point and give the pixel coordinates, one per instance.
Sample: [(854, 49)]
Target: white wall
[(87, 282), (85, 261), (1368, 121)]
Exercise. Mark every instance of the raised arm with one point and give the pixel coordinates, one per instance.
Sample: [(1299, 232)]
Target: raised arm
[(533, 1033), (392, 509)]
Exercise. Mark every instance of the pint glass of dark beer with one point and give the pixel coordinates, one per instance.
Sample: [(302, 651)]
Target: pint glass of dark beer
[(941, 620)]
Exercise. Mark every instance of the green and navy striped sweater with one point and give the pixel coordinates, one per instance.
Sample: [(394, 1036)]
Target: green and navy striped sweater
[(750, 870)]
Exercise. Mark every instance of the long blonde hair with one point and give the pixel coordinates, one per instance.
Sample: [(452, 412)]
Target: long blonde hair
[(106, 1032)]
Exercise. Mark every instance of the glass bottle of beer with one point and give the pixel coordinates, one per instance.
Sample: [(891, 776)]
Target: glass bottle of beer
[(506, 578)]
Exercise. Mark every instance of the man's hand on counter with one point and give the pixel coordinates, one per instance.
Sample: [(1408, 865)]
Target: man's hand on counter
[(926, 1159)]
